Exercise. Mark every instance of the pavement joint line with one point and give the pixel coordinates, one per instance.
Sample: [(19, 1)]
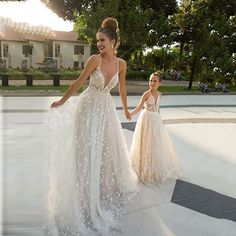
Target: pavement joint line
[(190, 105), (117, 108), (199, 120), (58, 94), (229, 111), (166, 121), (131, 125)]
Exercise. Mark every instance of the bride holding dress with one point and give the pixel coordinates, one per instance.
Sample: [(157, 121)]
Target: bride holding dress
[(90, 174)]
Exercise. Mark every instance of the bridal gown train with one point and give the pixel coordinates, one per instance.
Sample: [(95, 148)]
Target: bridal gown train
[(89, 170)]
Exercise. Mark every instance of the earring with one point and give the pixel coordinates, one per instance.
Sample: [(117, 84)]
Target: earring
[(112, 46)]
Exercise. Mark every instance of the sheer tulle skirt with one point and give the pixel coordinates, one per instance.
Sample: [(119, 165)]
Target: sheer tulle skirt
[(89, 170), (153, 155)]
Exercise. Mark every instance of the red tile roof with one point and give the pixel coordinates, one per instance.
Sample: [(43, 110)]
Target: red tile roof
[(64, 36), (11, 35)]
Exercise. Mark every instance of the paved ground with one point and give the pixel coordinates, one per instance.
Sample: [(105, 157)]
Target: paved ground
[(201, 203)]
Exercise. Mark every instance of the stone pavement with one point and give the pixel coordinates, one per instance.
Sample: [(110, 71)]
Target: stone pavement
[(201, 203)]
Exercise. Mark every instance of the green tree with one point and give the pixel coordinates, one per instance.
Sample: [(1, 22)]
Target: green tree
[(161, 58), (217, 56), (202, 30), (132, 21), (68, 9), (142, 23)]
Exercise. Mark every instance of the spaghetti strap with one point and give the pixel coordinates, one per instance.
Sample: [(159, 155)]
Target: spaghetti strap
[(118, 64), (149, 95), (99, 66)]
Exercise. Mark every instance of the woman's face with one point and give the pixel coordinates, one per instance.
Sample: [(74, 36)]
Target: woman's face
[(104, 44), (154, 81)]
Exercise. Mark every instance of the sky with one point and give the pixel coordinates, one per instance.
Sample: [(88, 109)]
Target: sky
[(35, 13)]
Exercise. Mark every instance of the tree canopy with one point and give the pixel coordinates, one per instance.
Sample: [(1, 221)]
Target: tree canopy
[(142, 22), (203, 31)]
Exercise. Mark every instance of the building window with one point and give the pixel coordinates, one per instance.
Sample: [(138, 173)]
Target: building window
[(78, 50), (48, 49), (76, 64), (57, 50), (5, 50), (27, 50)]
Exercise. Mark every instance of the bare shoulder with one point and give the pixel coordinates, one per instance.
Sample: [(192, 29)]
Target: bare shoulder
[(146, 94), (92, 63), (122, 63), (94, 59)]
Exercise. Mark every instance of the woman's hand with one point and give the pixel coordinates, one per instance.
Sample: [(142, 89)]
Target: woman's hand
[(56, 104), (128, 115)]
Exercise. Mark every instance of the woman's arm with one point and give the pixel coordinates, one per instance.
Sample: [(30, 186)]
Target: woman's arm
[(159, 98), (90, 66), (122, 87), (141, 103)]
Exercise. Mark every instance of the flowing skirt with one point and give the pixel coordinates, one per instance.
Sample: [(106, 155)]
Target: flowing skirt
[(90, 178), (153, 155)]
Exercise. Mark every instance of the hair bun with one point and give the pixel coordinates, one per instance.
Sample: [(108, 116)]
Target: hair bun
[(110, 23)]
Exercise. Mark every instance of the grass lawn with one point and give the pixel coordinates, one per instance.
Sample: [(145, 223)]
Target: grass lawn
[(61, 88), (178, 89)]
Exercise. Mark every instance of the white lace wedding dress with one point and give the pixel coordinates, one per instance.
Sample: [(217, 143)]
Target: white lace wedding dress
[(152, 154), (89, 169)]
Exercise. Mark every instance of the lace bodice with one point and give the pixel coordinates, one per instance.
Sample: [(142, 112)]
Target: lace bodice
[(97, 80), (151, 104)]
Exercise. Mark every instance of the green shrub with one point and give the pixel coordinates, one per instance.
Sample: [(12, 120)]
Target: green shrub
[(138, 75), (69, 75)]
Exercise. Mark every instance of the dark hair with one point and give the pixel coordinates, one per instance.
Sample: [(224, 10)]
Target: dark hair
[(159, 74), (110, 28)]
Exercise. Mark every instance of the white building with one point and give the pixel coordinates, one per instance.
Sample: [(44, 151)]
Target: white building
[(39, 46)]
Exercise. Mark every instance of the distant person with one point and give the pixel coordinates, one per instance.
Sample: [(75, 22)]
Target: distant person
[(173, 74), (221, 87), (204, 87), (179, 75), (176, 75)]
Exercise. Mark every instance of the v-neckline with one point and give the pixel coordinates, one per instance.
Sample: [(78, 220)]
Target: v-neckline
[(105, 85), (104, 80), (155, 99)]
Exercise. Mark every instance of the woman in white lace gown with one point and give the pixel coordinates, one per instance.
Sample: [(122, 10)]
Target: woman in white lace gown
[(152, 153), (90, 173)]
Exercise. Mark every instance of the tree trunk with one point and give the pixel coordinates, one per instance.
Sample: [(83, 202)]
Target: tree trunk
[(192, 72), (162, 58), (181, 54)]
